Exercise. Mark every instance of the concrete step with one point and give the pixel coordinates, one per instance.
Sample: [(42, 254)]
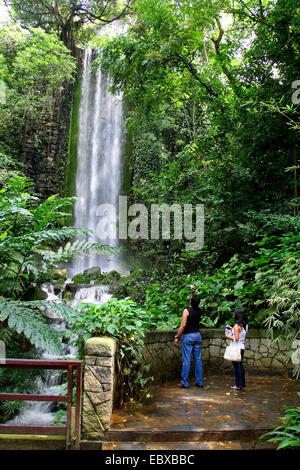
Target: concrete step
[(184, 436), (192, 446), (31, 442)]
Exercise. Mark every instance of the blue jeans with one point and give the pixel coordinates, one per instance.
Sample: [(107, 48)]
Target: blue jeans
[(239, 372), (191, 343)]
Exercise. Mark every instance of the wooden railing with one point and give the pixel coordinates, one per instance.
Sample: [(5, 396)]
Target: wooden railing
[(47, 430)]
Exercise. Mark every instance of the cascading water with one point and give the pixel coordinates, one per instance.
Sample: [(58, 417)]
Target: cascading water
[(99, 160), (98, 181), (39, 412)]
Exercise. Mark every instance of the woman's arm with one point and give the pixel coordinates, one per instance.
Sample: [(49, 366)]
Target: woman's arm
[(182, 325), (229, 336), (236, 333)]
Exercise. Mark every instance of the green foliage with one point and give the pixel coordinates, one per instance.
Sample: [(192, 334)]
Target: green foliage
[(27, 317), (67, 18), (9, 167), (287, 435), (35, 69), (197, 87), (30, 234), (125, 321), (280, 280)]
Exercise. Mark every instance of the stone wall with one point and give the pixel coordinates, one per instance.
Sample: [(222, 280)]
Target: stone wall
[(98, 386), (261, 355)]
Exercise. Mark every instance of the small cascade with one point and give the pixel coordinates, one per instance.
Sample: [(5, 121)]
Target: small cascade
[(38, 412), (93, 294)]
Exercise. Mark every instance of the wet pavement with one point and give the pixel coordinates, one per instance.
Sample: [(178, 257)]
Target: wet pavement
[(214, 417)]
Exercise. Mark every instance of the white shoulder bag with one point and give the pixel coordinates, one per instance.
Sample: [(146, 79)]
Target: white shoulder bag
[(233, 352)]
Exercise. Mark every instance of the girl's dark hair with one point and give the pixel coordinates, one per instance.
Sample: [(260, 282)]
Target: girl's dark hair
[(240, 317), (195, 301)]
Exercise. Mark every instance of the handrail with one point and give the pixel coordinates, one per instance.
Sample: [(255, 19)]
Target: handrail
[(49, 430)]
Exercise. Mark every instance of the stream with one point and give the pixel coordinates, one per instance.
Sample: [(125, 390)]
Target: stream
[(39, 412)]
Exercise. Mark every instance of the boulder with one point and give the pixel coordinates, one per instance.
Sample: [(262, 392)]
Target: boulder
[(90, 274), (94, 270)]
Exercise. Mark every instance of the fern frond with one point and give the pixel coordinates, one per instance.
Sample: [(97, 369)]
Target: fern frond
[(26, 317), (50, 211), (19, 184), (77, 249)]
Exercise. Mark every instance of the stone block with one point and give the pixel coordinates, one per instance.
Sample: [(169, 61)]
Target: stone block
[(204, 343), (284, 346), (276, 364), (97, 414), (103, 361), (94, 379), (103, 346), (216, 342), (266, 362), (205, 354), (255, 344), (214, 351), (248, 353), (263, 349)]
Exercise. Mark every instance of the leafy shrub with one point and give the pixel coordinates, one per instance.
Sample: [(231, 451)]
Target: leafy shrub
[(289, 434), (125, 321)]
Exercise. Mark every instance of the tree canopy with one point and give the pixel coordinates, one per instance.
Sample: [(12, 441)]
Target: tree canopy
[(67, 17)]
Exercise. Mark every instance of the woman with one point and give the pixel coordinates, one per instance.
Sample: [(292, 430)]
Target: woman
[(238, 333), (191, 342)]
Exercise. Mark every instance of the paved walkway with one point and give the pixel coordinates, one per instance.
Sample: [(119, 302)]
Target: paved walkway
[(211, 418)]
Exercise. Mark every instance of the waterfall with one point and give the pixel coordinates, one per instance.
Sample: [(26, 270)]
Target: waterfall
[(98, 181), (99, 159)]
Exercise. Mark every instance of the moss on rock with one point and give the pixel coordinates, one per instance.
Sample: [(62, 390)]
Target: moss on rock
[(91, 274)]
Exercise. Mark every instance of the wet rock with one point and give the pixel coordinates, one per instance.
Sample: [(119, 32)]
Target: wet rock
[(35, 294), (94, 270), (60, 274), (113, 275), (91, 274), (67, 295)]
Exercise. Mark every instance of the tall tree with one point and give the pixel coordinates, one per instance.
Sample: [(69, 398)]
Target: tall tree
[(67, 17)]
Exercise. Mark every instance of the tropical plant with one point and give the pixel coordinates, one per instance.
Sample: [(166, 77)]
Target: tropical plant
[(30, 235), (125, 321), (287, 435)]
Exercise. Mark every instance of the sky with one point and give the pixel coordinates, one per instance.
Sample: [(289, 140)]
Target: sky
[(3, 13)]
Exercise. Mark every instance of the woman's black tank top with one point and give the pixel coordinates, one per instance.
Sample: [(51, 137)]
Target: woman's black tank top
[(193, 319)]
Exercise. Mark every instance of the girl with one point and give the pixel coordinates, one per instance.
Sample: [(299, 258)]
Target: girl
[(238, 333)]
